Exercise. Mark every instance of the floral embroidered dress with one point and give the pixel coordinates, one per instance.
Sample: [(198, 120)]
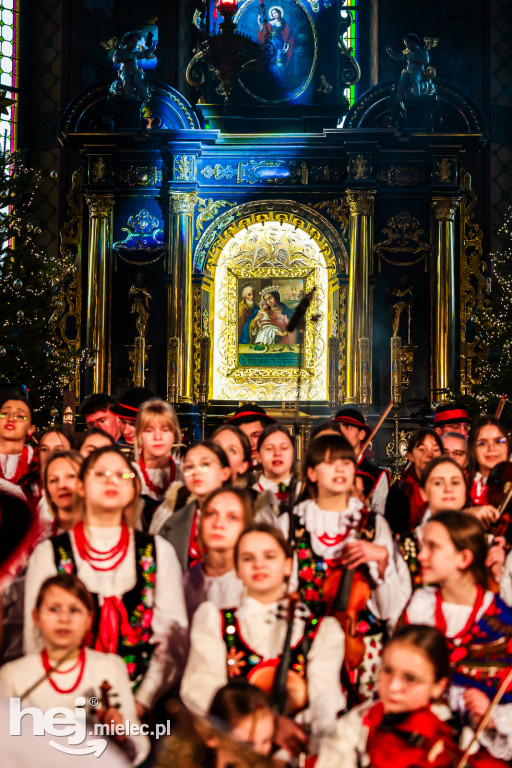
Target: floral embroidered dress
[(142, 614), (319, 539), (227, 644), (480, 641)]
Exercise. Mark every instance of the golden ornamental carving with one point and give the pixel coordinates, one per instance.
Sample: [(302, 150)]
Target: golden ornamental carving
[(67, 306), (228, 223), (361, 202), (359, 167), (184, 168), (196, 319), (337, 209), (445, 208), (473, 288), (100, 206), (99, 170), (402, 176), (206, 210), (343, 342), (403, 245), (269, 253), (444, 170), (183, 202)]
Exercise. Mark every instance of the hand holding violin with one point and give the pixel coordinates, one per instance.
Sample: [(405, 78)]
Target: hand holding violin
[(359, 552), (487, 514), (477, 704)]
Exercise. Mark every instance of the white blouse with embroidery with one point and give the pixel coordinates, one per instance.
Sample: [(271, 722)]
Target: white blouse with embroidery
[(169, 623)]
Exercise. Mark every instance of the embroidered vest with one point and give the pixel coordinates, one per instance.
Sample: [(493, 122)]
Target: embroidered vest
[(313, 569), (243, 661), (409, 548), (138, 601)]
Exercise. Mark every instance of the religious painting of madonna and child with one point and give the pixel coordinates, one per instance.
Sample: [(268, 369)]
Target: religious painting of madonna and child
[(265, 307), (288, 34)]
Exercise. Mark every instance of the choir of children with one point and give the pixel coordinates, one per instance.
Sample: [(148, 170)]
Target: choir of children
[(154, 572)]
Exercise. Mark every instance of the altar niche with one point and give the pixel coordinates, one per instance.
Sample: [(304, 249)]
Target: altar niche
[(266, 263)]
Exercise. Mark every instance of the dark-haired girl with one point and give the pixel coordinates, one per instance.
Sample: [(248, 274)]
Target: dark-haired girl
[(205, 468), (65, 669), (135, 578), (275, 487), (333, 533), (237, 448), (489, 446), (247, 642), (476, 623), (405, 505), (402, 729)]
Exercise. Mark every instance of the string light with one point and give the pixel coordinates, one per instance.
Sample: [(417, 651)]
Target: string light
[(29, 284)]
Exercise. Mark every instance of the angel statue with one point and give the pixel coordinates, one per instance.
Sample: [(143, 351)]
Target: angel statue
[(130, 79), (416, 79)]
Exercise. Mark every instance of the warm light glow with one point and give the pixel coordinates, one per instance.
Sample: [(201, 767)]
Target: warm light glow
[(226, 5)]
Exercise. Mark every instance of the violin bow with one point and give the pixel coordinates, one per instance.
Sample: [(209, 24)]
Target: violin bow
[(501, 405), (46, 675), (376, 429), (485, 719)]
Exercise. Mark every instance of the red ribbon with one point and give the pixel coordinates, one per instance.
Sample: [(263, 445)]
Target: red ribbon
[(114, 623)]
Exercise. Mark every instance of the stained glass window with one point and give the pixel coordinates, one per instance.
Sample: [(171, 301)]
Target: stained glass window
[(351, 40), (9, 69)]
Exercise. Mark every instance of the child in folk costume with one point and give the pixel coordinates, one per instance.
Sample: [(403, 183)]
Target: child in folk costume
[(248, 642), (205, 468), (333, 534), (276, 485), (237, 448), (227, 511), (19, 461), (402, 728), (60, 477), (156, 431), (134, 578), (476, 622), (489, 445), (442, 487), (65, 669), (405, 505)]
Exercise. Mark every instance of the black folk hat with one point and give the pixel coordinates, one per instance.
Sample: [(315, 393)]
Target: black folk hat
[(248, 413), (450, 413), (353, 417), (128, 406)]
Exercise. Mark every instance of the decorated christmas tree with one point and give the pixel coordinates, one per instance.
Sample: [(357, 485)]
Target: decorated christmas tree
[(30, 356), (493, 325)]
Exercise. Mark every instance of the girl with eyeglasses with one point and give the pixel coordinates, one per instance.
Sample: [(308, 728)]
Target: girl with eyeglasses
[(66, 669), (489, 446), (476, 622), (205, 468), (134, 578)]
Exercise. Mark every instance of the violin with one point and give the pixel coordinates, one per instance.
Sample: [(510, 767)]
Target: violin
[(499, 494), (346, 595)]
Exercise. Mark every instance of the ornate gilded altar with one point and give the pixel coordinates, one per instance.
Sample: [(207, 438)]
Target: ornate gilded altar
[(207, 205)]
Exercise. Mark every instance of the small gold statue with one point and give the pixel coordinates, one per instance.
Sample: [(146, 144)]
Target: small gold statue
[(141, 302)]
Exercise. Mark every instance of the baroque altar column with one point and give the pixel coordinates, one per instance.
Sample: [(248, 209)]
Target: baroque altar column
[(358, 322), (97, 339), (443, 296), (180, 308)]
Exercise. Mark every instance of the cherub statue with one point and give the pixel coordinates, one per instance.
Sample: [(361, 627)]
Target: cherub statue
[(130, 80), (416, 79)]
